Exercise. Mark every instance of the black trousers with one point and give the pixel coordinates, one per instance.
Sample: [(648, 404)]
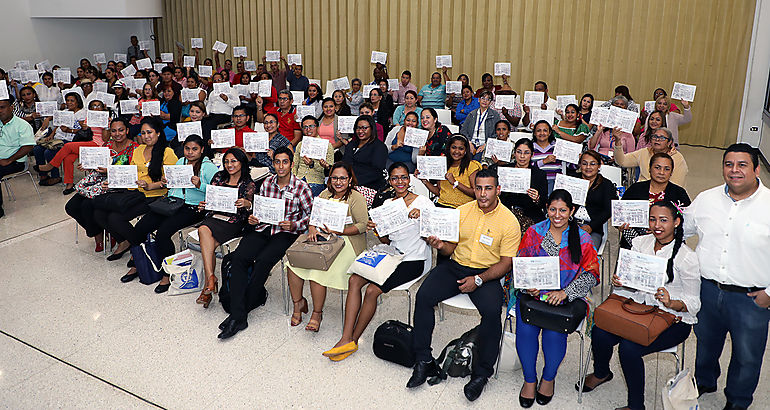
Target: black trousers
[(9, 169), (118, 224), (260, 251), (441, 284), (81, 209), (165, 227)]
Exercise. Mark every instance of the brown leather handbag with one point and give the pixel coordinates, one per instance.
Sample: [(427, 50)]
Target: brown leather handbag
[(632, 320), (319, 254)]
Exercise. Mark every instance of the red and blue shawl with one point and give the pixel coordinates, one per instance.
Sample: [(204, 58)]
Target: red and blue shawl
[(531, 245)]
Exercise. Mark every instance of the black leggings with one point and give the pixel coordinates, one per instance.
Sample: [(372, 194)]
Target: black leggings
[(81, 209), (166, 227), (117, 223)]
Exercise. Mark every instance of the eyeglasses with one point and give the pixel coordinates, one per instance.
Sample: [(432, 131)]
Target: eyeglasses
[(400, 178), (239, 115), (660, 137), (363, 127), (339, 179), (485, 99), (308, 127), (269, 122), (283, 98)]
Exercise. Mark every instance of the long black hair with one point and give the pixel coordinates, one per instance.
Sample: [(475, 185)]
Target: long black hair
[(573, 238), (155, 170), (196, 139), (241, 157), (678, 234)]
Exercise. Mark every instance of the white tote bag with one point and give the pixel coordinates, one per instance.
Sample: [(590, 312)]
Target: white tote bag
[(376, 264), (185, 270), (681, 393)]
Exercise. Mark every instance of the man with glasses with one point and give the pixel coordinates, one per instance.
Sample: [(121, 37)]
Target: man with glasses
[(260, 249), (286, 114), (241, 121), (661, 141), (489, 239)]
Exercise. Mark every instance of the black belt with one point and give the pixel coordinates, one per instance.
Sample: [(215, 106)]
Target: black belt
[(733, 288)]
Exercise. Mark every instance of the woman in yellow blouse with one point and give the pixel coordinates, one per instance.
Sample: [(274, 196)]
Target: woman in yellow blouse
[(457, 188), (149, 158), (340, 188)]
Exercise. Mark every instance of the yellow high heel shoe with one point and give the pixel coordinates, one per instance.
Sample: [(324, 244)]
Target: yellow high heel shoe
[(346, 348)]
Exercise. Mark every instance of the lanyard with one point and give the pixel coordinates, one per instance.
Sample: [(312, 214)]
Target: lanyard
[(479, 122)]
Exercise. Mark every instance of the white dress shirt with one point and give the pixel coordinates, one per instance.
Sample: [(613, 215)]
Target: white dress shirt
[(734, 236), (49, 94), (686, 283), (216, 105), (408, 240)]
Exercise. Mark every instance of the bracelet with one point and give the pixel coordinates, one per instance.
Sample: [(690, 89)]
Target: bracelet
[(456, 184)]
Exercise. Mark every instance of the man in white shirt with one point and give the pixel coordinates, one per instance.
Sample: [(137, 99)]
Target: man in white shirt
[(733, 226), (548, 102)]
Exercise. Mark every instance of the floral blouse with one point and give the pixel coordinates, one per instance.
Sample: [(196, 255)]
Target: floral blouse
[(91, 184), (246, 190)]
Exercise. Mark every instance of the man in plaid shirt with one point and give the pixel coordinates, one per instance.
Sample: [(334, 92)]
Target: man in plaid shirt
[(266, 245)]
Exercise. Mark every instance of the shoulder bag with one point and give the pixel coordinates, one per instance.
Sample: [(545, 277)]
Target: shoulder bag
[(319, 255), (632, 320), (564, 318)]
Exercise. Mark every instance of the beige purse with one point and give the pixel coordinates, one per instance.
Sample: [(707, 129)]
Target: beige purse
[(319, 255)]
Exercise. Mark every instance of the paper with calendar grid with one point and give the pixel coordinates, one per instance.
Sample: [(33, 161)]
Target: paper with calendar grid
[(684, 92), (499, 148), (122, 176), (45, 108), (314, 148), (534, 98), (444, 61), (256, 141), (567, 151), (641, 271), (196, 42), (178, 176), (345, 123), (269, 210), (129, 107), (502, 69), (392, 216), (415, 137), (431, 167), (577, 187), (94, 157), (331, 214), (273, 55), (514, 180), (223, 138), (635, 213), (541, 273), (443, 223), (221, 199), (185, 129)]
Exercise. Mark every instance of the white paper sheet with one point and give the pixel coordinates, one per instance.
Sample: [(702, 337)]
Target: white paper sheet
[(190, 94), (99, 119), (331, 214), (4, 91), (100, 87), (63, 117), (144, 64), (392, 216), (454, 87), (273, 55), (393, 84), (432, 167), (100, 58), (502, 69), (534, 98), (444, 61), (30, 76), (43, 66), (505, 101), (145, 44), (188, 61), (205, 71), (577, 187), (367, 90), (415, 137), (541, 273), (443, 223), (624, 119), (649, 107), (223, 138), (600, 116), (635, 213), (129, 106), (515, 180), (185, 129), (62, 76), (94, 157), (118, 57), (150, 108), (122, 176), (221, 199), (240, 51), (641, 271), (219, 46), (167, 57), (23, 65), (196, 42), (379, 57), (265, 88), (250, 65), (314, 148), (241, 90), (499, 148), (178, 176), (45, 108), (303, 111), (536, 114), (269, 210), (346, 123), (294, 59), (256, 141), (684, 92), (129, 71), (221, 88), (296, 96), (562, 101), (567, 151)]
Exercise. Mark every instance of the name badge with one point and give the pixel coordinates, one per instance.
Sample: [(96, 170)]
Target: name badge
[(486, 240), (288, 195), (349, 220)]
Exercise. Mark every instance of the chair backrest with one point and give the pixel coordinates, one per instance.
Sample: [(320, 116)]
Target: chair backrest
[(517, 135), (614, 174), (454, 129), (418, 187), (444, 116)]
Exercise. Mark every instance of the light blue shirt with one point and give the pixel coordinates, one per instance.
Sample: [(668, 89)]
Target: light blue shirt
[(433, 97), (15, 134), (193, 196)]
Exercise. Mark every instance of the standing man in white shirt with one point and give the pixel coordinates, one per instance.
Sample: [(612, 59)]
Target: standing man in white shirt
[(733, 226)]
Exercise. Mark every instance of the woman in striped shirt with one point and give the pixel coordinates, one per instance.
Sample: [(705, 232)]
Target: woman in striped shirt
[(543, 156)]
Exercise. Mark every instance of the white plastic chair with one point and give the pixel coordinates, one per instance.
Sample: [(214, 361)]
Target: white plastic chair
[(517, 135), (4, 181), (416, 186), (406, 287), (454, 129), (444, 116)]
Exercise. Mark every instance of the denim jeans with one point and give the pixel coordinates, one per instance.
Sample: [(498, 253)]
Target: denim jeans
[(42, 156), (725, 312)]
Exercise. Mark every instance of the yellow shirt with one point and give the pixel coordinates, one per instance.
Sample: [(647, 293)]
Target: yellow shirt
[(484, 238), (450, 196), (142, 170)]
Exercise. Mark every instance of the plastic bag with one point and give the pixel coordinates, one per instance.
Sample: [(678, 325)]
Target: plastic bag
[(681, 392), (185, 270)]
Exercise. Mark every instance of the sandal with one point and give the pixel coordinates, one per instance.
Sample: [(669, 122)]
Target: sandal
[(314, 325), (205, 296), (296, 317)]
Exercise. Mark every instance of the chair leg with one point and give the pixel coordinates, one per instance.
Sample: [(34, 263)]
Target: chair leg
[(283, 288), (342, 306), (440, 312), (500, 347), (581, 370), (34, 185), (409, 307), (8, 189), (677, 361), (76, 233)]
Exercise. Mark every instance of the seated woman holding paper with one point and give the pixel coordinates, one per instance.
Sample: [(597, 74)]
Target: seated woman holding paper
[(149, 159), (193, 83), (458, 184), (275, 140), (81, 206), (314, 97), (658, 188), (480, 124), (465, 104), (601, 192), (674, 119), (438, 134), (502, 132), (662, 141), (170, 113), (602, 142), (166, 221), (219, 226), (407, 240), (397, 151), (542, 157), (529, 208), (149, 93), (655, 120), (312, 170), (328, 125), (339, 188), (558, 236), (366, 155), (70, 151), (48, 147), (340, 105), (586, 106), (410, 105), (570, 127), (679, 296)]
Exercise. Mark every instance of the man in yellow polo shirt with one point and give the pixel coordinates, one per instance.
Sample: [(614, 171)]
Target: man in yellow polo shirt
[(489, 239)]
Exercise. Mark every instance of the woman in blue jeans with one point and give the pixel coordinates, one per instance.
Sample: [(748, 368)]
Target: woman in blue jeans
[(679, 296)]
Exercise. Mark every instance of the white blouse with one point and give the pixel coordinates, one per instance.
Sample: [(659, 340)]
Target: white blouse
[(408, 240), (686, 283)]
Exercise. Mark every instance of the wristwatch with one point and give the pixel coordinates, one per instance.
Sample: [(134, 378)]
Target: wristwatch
[(456, 184), (478, 280)]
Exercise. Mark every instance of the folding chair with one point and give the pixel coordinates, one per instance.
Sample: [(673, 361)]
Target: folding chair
[(5, 181), (444, 116)]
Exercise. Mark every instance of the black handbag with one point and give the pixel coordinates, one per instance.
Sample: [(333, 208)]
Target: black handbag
[(83, 135), (563, 318), (118, 201), (393, 342), (167, 205)]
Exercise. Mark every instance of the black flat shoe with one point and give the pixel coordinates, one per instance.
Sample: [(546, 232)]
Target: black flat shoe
[(130, 264), (68, 191), (162, 288), (129, 277), (706, 389), (730, 406), (224, 323), (36, 168), (232, 328), (540, 398), (525, 402), (116, 256), (587, 389), (474, 387), (421, 372)]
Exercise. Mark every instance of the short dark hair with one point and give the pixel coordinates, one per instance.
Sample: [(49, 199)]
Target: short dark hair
[(244, 108), (543, 83), (743, 147), (284, 150), (484, 77), (487, 173), (310, 118), (468, 87), (167, 69), (407, 72)]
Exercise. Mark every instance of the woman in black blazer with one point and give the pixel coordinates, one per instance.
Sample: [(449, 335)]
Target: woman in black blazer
[(529, 208), (601, 191)]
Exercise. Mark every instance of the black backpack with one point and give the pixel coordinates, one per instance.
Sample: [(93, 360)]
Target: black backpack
[(393, 342), (256, 296), (458, 357)]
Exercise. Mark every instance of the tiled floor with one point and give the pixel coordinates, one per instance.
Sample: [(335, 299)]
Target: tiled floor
[(73, 336)]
